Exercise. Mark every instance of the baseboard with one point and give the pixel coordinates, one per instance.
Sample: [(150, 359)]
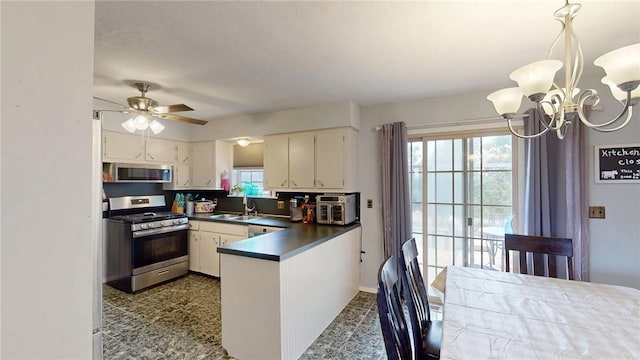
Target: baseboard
[(368, 289)]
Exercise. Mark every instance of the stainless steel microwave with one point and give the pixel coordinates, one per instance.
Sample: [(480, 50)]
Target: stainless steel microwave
[(335, 209), (149, 173)]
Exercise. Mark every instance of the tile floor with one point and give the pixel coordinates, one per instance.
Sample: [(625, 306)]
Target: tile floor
[(181, 320)]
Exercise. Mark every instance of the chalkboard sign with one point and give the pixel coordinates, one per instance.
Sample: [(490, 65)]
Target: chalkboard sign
[(617, 163)]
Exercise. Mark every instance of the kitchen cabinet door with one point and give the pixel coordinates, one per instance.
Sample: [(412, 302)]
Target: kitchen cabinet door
[(276, 162), (181, 178), (122, 147), (194, 251), (228, 239), (203, 165), (209, 258), (302, 161), (330, 159), (160, 150), (184, 152)]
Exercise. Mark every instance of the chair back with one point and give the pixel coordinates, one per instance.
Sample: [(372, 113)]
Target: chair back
[(392, 321), (415, 289), (541, 247)]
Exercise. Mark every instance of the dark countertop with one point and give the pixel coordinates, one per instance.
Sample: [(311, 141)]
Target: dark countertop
[(277, 246)]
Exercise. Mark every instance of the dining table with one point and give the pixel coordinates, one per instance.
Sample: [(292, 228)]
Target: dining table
[(501, 315)]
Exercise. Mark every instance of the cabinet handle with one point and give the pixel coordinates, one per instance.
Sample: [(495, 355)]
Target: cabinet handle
[(185, 183), (320, 183), (284, 183), (163, 272), (137, 156), (294, 183), (209, 182), (151, 156)]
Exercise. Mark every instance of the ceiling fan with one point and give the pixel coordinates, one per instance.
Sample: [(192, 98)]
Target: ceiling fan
[(147, 108)]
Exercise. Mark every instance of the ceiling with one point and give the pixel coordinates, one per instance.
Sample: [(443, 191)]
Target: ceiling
[(225, 58)]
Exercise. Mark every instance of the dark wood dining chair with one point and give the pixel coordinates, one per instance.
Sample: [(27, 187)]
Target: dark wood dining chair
[(541, 247), (427, 333), (395, 332)]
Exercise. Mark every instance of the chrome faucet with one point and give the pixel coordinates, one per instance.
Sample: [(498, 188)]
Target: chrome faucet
[(247, 209)]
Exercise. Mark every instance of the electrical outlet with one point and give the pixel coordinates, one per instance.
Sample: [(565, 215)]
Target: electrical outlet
[(369, 203), (280, 205), (596, 212)]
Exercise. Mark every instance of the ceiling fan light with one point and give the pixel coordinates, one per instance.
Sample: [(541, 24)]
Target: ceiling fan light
[(129, 125), (621, 65), (506, 101), (243, 142), (537, 77), (141, 122), (156, 126)]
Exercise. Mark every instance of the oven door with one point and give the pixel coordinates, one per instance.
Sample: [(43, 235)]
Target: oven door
[(337, 214), (158, 250)]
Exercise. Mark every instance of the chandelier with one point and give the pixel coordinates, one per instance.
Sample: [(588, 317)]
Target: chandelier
[(564, 104), (142, 122)]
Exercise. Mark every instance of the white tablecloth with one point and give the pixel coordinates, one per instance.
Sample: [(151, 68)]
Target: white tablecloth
[(498, 315)]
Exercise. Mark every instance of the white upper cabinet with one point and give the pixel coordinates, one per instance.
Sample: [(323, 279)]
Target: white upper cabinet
[(118, 147), (276, 162), (301, 161), (184, 152), (330, 159), (203, 164), (313, 160), (160, 150), (208, 160)]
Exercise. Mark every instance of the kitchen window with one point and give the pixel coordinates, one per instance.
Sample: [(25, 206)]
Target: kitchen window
[(461, 199), (255, 177)]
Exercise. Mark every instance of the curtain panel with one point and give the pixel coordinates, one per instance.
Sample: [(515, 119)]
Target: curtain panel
[(556, 194), (396, 203)]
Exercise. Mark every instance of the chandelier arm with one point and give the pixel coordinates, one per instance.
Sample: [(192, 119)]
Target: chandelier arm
[(553, 45), (627, 109), (626, 121), (578, 64), (552, 119), (590, 93), (514, 132)]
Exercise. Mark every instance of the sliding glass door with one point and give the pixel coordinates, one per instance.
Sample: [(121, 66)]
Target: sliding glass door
[(461, 193)]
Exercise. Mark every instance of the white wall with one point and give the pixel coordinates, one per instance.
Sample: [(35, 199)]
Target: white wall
[(615, 241), (45, 236), (299, 119)]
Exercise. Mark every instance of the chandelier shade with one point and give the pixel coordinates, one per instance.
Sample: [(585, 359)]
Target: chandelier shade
[(506, 101), (619, 94), (536, 78), (622, 64), (243, 142), (562, 104)]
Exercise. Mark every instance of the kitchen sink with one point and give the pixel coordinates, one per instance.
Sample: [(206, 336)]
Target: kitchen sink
[(224, 216), (246, 217)]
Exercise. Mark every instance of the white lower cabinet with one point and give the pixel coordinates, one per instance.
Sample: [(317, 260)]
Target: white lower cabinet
[(204, 239)]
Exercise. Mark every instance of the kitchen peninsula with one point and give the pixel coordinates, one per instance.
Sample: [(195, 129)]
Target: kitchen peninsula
[(281, 290)]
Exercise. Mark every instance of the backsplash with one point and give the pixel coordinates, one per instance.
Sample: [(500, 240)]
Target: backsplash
[(225, 203)]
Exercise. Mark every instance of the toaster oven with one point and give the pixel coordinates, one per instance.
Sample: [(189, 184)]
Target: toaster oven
[(335, 209)]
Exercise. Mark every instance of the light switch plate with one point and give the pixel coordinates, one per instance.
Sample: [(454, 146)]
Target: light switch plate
[(280, 205), (369, 203), (596, 212)]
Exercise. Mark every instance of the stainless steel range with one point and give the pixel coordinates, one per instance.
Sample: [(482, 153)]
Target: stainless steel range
[(145, 245)]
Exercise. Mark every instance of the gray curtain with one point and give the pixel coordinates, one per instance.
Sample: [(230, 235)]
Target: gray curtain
[(396, 204), (556, 202)]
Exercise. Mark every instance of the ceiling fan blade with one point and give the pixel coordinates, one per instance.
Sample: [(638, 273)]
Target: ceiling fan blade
[(181, 118), (163, 109), (112, 102)]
